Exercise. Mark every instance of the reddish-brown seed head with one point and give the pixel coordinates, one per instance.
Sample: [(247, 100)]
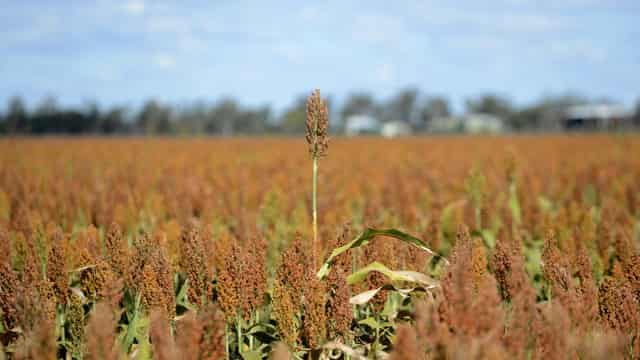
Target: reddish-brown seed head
[(317, 125)]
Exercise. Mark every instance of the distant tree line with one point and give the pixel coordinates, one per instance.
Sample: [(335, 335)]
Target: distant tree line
[(228, 117)]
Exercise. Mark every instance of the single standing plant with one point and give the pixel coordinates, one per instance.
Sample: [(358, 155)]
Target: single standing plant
[(317, 129)]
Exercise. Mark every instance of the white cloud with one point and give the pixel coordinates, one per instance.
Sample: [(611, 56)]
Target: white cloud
[(164, 61), (134, 7), (579, 50), (518, 22)]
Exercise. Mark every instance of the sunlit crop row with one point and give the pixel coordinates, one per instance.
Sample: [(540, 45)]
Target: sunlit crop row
[(202, 248)]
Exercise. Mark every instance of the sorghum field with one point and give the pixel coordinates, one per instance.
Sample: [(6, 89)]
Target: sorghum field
[(453, 247)]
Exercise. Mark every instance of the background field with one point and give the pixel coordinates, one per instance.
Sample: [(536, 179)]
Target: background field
[(564, 210)]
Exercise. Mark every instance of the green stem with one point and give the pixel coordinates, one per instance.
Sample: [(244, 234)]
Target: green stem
[(226, 339), (239, 330), (315, 202), (253, 321), (375, 343)]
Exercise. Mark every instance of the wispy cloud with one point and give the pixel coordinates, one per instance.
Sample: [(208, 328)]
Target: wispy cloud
[(134, 7), (453, 47)]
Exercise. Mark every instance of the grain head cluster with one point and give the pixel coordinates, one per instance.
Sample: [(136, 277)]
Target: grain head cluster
[(202, 249)]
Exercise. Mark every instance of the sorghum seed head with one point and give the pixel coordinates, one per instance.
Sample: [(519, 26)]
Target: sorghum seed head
[(317, 125), (555, 267), (339, 308), (256, 272), (5, 246), (76, 319), (229, 274), (152, 296), (315, 316), (193, 264), (101, 334), (160, 336), (618, 306), (117, 251), (212, 342), (188, 334), (56, 266), (406, 346), (285, 310), (38, 343), (9, 287)]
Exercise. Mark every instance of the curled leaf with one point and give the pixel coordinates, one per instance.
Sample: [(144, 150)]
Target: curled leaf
[(393, 275), (354, 354), (366, 296), (365, 237)]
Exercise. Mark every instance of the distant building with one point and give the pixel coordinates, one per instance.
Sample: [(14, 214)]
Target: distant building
[(483, 123), (474, 123), (443, 125), (597, 117), (395, 128), (361, 125)]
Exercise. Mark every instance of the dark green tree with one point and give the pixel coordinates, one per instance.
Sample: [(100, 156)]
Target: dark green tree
[(113, 121), (17, 118), (433, 107), (490, 104), (293, 120), (154, 118), (402, 106), (360, 103), (222, 117)]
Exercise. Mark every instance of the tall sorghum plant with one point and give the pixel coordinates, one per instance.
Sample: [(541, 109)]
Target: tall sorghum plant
[(317, 128)]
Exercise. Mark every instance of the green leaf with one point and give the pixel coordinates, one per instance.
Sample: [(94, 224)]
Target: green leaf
[(514, 203), (182, 293), (590, 195), (365, 237), (366, 296), (375, 324), (370, 322), (393, 275), (252, 355), (487, 235), (136, 324), (446, 223), (258, 327)]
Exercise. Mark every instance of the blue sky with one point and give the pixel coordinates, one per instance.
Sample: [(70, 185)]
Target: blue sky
[(122, 52)]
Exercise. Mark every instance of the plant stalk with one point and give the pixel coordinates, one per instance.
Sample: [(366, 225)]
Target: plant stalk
[(315, 202), (226, 340), (253, 321), (239, 332)]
